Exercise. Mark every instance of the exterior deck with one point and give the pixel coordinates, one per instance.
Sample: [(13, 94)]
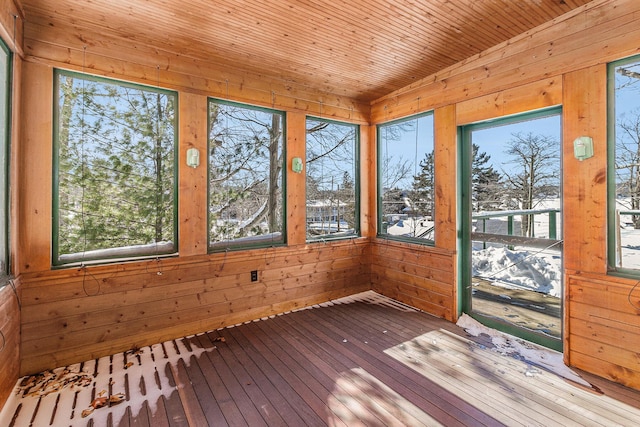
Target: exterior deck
[(362, 360)]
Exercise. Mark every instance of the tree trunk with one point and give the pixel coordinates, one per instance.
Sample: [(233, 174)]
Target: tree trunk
[(158, 161), (274, 173)]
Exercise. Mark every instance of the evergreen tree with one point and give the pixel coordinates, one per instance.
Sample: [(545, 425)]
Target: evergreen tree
[(116, 170), (423, 194), (485, 181)]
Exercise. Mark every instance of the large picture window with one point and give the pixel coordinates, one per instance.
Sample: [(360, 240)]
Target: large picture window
[(114, 170), (406, 186), (246, 158), (5, 120), (332, 179), (624, 165)]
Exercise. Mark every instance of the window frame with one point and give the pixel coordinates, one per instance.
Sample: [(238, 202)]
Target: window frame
[(464, 219), (5, 274), (625, 272), (248, 243), (380, 189), (356, 183), (121, 253)]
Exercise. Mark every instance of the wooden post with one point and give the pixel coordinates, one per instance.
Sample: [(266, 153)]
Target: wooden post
[(192, 203), (296, 182)]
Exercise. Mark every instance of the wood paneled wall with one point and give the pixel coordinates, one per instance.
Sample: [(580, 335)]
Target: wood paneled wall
[(11, 26), (79, 314), (9, 341), (601, 31), (70, 315), (420, 276), (126, 58), (560, 63)]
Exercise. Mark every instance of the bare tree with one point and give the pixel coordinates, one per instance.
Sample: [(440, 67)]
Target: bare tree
[(330, 164), (245, 172), (396, 172), (628, 161), (531, 176)]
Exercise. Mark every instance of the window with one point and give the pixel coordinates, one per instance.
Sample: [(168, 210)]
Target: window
[(246, 157), (624, 165), (332, 179), (5, 124), (406, 190), (114, 170)]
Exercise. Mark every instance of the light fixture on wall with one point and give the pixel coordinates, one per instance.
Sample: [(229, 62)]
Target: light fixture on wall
[(296, 164), (583, 148), (193, 157)]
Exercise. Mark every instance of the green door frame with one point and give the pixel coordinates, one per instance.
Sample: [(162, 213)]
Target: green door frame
[(464, 231)]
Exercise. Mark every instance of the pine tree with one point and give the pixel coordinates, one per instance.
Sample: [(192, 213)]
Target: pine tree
[(423, 194), (485, 181), (116, 169)]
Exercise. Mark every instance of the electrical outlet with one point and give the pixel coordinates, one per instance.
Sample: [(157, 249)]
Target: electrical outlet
[(254, 275)]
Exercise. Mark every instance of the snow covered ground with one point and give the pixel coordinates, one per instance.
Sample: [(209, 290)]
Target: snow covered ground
[(520, 267), (536, 270), (412, 227)]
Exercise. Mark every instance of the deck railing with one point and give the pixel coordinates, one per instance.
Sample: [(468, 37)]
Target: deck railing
[(619, 213), (483, 217)]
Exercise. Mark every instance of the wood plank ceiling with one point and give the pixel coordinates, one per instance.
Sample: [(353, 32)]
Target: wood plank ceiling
[(362, 49)]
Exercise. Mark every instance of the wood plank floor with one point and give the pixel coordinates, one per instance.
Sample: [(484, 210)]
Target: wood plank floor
[(361, 361)]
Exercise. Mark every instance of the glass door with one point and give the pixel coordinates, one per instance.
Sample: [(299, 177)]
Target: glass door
[(511, 239)]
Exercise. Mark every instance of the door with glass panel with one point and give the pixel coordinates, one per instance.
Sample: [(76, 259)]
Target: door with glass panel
[(511, 230)]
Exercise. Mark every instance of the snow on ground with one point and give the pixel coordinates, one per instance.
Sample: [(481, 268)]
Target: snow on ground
[(540, 271), (519, 269), (412, 227), (533, 354)]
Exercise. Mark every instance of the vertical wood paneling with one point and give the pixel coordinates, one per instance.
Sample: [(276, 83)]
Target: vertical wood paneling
[(585, 235), (35, 169), (131, 304), (296, 189), (192, 194), (446, 183), (585, 183), (368, 181), (446, 179), (520, 77)]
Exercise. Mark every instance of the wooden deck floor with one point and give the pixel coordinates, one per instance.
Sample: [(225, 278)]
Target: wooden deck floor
[(364, 360)]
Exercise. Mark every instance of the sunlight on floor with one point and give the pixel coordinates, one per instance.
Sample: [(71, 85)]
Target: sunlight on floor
[(374, 402)]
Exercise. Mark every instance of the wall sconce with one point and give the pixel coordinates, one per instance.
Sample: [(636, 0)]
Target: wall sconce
[(583, 148), (296, 164), (193, 157)]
